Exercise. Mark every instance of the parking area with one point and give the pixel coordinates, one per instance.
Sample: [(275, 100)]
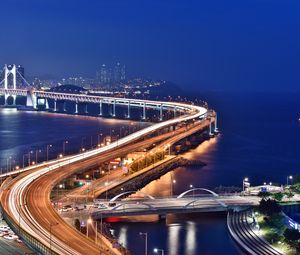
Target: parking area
[(10, 243)]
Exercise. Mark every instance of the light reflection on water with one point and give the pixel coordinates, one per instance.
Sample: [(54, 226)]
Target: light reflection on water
[(21, 132)]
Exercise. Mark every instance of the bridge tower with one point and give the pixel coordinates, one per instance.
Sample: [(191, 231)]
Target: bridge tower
[(10, 70)]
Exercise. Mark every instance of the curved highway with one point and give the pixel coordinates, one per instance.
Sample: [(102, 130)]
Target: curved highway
[(27, 199)]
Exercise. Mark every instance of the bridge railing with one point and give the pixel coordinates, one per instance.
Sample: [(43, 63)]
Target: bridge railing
[(30, 240)]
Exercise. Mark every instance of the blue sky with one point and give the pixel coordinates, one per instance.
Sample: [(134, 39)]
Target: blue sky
[(223, 45)]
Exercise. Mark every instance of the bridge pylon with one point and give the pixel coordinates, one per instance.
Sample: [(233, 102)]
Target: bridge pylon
[(10, 71)]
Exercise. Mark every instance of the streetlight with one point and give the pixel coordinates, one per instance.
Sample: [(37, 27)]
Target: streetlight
[(7, 162), (288, 178), (106, 184), (89, 221), (82, 143), (146, 241), (192, 187), (29, 162), (246, 183), (50, 238), (36, 155), (47, 152), (156, 250), (64, 146), (99, 135), (21, 205)]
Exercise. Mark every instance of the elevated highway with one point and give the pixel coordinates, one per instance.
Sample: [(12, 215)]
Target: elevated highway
[(26, 199)]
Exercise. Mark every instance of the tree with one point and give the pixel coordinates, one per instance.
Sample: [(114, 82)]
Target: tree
[(278, 196), (292, 236), (264, 194), (77, 224), (269, 207)]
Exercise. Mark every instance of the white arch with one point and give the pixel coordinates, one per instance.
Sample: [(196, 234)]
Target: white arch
[(199, 199), (135, 203), (130, 192), (190, 190)]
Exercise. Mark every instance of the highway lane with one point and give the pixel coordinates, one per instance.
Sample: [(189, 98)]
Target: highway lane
[(115, 178), (28, 195)]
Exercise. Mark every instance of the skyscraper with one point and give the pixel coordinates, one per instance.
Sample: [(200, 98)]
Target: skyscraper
[(105, 75), (119, 73)]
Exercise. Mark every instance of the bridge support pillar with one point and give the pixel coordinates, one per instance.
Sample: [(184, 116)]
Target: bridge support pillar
[(128, 110), (114, 109), (65, 106), (31, 100), (210, 129), (100, 108), (55, 105), (46, 104), (216, 126), (86, 109), (5, 99), (76, 108), (161, 113), (144, 111), (175, 112)]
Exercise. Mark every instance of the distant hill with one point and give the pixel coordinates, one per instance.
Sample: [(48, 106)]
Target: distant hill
[(68, 88)]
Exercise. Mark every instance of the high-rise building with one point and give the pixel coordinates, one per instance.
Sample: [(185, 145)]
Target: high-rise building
[(105, 74), (119, 73)]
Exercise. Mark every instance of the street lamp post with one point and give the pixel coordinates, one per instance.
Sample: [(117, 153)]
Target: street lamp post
[(246, 183), (64, 146), (50, 237), (7, 163), (47, 151), (37, 156), (21, 205), (99, 135), (89, 221), (146, 241), (192, 187), (156, 250), (290, 177), (106, 184)]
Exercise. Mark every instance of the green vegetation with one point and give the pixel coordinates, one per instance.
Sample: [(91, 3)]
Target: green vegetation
[(269, 207), (292, 236), (272, 227), (146, 161)]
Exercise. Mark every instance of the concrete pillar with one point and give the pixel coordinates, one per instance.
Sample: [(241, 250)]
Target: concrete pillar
[(31, 100), (5, 99), (55, 106), (144, 111), (65, 109), (114, 109), (128, 110), (46, 104), (100, 107), (175, 112), (216, 126), (76, 108), (14, 99), (210, 128), (161, 113), (85, 109)]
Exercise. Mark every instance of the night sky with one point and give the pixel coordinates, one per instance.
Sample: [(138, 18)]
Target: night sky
[(212, 44)]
